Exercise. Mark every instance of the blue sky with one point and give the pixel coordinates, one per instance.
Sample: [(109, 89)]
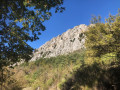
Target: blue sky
[(77, 12)]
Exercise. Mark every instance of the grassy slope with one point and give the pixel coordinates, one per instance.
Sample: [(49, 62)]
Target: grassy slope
[(49, 73), (69, 72)]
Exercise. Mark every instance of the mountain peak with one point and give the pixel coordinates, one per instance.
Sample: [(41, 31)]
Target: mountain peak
[(71, 40)]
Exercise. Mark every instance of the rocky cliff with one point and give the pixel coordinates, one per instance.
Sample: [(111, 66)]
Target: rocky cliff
[(69, 41)]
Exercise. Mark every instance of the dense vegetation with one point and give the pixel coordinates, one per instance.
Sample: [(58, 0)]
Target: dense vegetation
[(104, 38), (101, 70), (49, 72), (21, 21), (95, 67)]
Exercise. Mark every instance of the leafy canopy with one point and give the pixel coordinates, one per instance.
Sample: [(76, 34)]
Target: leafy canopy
[(30, 14), (103, 38)]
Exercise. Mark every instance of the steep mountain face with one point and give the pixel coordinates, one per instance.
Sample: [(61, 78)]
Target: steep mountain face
[(69, 41)]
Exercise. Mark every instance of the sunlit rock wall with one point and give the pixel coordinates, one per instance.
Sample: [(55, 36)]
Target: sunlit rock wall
[(71, 40)]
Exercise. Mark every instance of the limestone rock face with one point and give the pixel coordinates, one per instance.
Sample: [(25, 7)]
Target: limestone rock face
[(69, 41)]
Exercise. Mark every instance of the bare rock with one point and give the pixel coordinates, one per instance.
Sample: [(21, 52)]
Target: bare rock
[(71, 40)]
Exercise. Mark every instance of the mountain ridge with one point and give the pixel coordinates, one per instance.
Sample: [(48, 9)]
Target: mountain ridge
[(71, 40)]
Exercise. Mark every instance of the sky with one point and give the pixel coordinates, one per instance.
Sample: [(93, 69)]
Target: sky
[(77, 12)]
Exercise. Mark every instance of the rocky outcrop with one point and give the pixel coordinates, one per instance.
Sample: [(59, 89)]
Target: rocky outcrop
[(69, 41)]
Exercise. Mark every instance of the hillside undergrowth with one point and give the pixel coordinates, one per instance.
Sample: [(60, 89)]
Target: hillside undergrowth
[(49, 73)]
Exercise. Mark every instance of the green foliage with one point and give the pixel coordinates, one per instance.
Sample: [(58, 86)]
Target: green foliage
[(103, 38), (100, 69), (91, 77), (108, 58), (61, 60), (50, 82), (13, 38), (21, 21), (95, 19), (61, 84), (50, 72), (24, 64)]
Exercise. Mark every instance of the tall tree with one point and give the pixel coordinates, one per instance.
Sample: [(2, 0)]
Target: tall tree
[(103, 38), (13, 37)]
